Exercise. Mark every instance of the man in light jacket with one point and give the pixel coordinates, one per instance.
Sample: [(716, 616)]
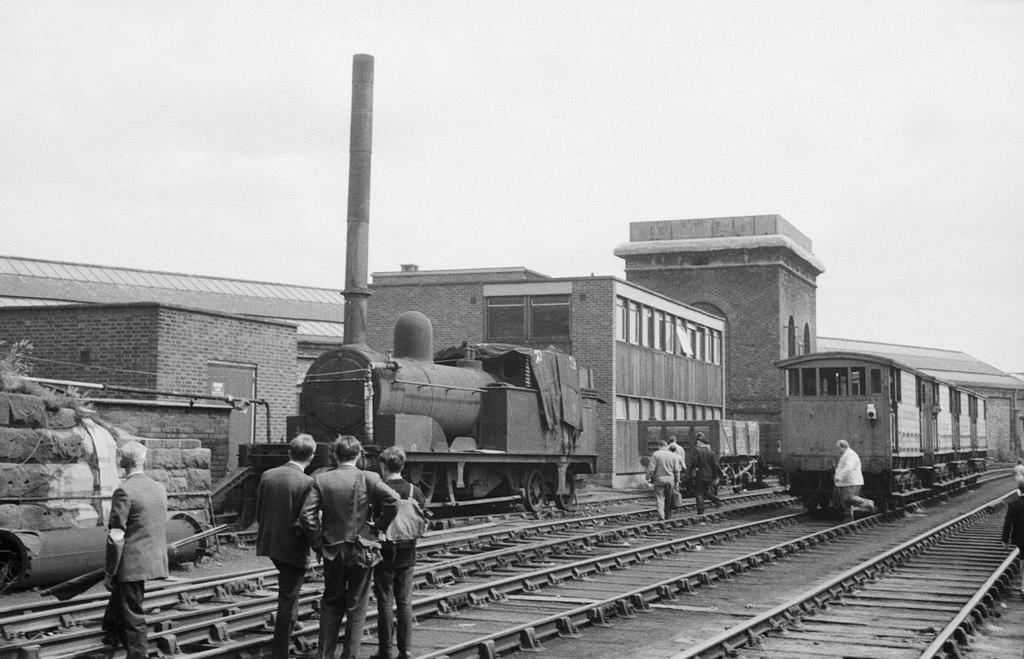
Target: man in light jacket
[(663, 471), (849, 480), (136, 551)]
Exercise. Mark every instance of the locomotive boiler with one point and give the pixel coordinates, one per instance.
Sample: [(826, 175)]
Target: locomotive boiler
[(915, 433)]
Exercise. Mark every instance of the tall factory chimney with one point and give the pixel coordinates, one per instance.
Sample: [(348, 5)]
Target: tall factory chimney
[(358, 241)]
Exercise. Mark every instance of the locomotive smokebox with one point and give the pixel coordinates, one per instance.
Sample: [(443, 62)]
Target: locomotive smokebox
[(358, 239)]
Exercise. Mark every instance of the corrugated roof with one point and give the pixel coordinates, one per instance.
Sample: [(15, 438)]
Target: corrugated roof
[(952, 365), (79, 282), (156, 279)]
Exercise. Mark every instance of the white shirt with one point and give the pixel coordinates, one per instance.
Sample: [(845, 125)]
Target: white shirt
[(848, 469)]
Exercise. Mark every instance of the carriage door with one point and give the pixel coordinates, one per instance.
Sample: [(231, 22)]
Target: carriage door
[(238, 380)]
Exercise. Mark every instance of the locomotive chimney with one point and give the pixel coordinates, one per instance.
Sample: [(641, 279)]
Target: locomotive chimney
[(358, 241)]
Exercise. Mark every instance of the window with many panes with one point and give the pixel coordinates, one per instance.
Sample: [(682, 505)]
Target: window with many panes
[(520, 318)]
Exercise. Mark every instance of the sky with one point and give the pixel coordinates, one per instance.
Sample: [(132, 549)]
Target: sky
[(212, 138)]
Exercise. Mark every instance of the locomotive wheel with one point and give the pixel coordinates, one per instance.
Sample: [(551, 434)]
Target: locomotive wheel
[(534, 491), (567, 501)]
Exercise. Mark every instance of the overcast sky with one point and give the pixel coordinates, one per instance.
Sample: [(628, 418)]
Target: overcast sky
[(212, 138)]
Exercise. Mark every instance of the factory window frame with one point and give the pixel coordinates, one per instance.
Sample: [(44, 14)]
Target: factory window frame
[(634, 323), (621, 318), (647, 327), (521, 318), (621, 407), (506, 318), (550, 317)]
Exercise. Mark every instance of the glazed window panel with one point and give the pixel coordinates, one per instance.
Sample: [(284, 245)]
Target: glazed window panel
[(506, 318), (634, 323), (621, 319), (669, 332), (621, 408), (876, 381), (633, 408), (549, 316), (834, 381), (808, 382), (793, 382), (858, 385)]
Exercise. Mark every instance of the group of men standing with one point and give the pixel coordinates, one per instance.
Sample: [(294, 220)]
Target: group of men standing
[(340, 514), (668, 465)]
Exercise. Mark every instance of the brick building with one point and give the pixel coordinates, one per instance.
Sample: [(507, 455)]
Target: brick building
[(649, 356), (756, 272), (138, 347)]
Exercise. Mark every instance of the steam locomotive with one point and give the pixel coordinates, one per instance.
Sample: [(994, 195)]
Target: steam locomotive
[(915, 433), (486, 423)]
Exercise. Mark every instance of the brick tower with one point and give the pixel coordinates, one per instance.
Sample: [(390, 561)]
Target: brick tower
[(758, 272)]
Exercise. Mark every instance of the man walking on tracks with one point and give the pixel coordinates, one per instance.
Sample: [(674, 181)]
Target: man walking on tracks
[(705, 474), (136, 551), (335, 517), (849, 480), (278, 505), (1013, 529), (393, 576), (663, 472)]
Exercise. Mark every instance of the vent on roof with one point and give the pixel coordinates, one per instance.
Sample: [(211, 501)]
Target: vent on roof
[(409, 267)]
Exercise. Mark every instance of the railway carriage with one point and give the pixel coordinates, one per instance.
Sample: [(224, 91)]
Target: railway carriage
[(914, 433)]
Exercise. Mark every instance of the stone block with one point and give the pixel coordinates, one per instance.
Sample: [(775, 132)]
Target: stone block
[(39, 445), (164, 458), (195, 458), (198, 479), (62, 417), (26, 411), (5, 411)]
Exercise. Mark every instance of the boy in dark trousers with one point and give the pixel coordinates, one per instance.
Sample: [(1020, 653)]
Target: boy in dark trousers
[(392, 577)]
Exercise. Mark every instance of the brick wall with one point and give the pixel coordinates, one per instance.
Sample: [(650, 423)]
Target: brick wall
[(456, 312), (206, 423), (190, 340), (113, 345), (150, 346)]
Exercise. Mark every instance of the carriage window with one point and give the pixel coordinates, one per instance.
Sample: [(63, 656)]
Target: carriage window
[(834, 381), (857, 382), (793, 382), (809, 380), (876, 381)]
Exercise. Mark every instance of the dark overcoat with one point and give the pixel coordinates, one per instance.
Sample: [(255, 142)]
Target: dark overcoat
[(278, 505)]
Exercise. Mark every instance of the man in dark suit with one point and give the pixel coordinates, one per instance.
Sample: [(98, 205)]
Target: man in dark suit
[(335, 517), (704, 472), (278, 505), (136, 551), (1013, 528)]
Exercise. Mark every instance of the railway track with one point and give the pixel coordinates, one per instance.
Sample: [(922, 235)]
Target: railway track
[(211, 610), (503, 589)]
